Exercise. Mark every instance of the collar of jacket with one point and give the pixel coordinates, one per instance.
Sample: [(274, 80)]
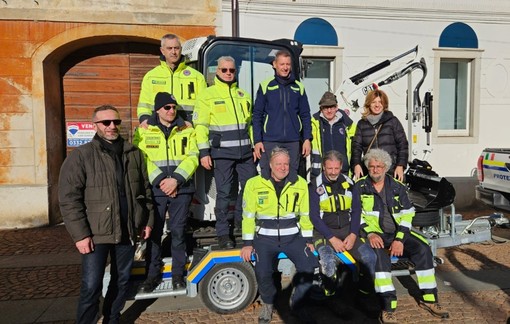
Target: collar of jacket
[(340, 115), (181, 66), (125, 148), (221, 83), (285, 81)]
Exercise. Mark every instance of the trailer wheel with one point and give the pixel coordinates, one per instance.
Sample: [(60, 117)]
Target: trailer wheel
[(229, 288)]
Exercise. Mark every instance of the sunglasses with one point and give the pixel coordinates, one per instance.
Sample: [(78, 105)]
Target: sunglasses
[(224, 70), (108, 122), (168, 107)]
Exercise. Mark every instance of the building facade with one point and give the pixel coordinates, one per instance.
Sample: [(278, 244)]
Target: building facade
[(62, 58)]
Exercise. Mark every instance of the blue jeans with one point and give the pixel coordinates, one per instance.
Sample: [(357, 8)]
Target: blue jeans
[(92, 272)]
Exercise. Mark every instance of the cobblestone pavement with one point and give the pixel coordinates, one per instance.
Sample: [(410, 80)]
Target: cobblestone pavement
[(24, 283)]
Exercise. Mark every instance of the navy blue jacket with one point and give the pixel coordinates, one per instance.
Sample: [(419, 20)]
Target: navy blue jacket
[(281, 112)]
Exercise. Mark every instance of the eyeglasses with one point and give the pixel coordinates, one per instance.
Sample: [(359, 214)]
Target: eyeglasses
[(108, 122), (328, 107), (168, 107), (224, 70)]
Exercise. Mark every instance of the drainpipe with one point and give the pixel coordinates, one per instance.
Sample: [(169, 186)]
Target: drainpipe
[(235, 18)]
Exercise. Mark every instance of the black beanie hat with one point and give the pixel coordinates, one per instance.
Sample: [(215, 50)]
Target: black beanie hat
[(162, 99)]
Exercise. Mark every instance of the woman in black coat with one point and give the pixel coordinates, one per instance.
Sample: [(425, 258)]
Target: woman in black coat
[(379, 128)]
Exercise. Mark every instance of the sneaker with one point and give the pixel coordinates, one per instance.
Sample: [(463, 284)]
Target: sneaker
[(149, 285), (225, 242), (266, 314), (435, 309), (388, 317), (178, 282)]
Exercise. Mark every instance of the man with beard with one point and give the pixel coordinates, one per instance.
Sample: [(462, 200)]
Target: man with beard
[(170, 147), (106, 202), (334, 228), (387, 215)]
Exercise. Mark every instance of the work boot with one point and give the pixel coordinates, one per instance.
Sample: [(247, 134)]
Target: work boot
[(266, 314), (225, 242), (435, 309), (149, 284), (388, 317), (178, 282)]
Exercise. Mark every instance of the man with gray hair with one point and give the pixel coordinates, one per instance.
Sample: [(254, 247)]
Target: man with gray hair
[(172, 75), (387, 215), (222, 119), (275, 220)]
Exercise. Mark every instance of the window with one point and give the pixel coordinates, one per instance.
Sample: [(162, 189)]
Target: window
[(456, 105), (454, 85), (321, 71)]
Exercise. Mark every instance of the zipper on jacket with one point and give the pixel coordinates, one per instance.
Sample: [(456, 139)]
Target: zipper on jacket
[(184, 143), (237, 119)]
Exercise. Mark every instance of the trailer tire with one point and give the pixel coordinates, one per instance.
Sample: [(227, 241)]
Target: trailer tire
[(229, 288), (426, 218)]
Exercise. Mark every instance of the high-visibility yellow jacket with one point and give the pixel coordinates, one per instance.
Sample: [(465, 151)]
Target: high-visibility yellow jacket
[(343, 130), (369, 204), (222, 119), (185, 83), (170, 152), (265, 214)]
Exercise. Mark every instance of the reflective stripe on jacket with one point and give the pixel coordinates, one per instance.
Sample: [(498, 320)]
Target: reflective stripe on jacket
[(265, 214), (330, 204), (185, 83), (222, 120), (173, 157), (368, 203)]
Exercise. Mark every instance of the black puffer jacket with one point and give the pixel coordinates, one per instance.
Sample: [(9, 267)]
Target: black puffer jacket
[(89, 199), (391, 138)]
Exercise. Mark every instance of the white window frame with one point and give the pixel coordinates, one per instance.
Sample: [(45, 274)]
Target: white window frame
[(325, 52), (471, 133)]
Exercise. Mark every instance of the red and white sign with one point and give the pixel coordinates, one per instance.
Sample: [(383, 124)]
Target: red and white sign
[(79, 133)]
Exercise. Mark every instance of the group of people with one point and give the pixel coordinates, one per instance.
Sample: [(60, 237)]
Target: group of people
[(113, 193)]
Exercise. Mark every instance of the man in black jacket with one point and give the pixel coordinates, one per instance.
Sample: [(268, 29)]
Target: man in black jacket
[(106, 202)]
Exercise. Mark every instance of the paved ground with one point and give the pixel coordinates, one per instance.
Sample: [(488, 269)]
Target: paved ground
[(39, 283)]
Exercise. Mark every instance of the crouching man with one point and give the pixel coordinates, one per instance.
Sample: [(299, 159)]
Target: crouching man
[(275, 219), (334, 228)]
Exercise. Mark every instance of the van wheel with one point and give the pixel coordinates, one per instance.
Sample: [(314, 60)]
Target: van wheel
[(229, 288)]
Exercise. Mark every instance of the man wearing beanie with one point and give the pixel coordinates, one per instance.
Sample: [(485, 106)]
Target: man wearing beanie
[(332, 130), (171, 154), (222, 119)]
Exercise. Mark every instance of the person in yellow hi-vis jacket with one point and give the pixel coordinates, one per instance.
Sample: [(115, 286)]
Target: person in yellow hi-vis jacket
[(171, 152), (332, 129), (387, 215), (222, 119), (275, 219), (172, 75)]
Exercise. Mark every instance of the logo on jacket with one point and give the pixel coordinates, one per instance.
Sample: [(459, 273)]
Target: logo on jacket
[(186, 72), (320, 190), (240, 94), (341, 131)]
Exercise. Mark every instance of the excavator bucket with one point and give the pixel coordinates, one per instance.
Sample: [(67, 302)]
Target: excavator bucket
[(427, 189)]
